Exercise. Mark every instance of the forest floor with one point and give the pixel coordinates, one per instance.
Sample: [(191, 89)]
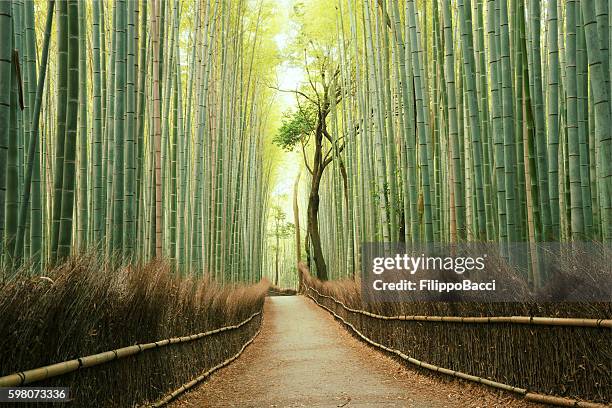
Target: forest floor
[(304, 358)]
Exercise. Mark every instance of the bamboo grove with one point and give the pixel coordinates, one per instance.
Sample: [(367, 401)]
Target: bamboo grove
[(144, 140), (467, 120)]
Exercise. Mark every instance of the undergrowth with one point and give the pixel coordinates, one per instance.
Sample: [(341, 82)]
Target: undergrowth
[(86, 306)]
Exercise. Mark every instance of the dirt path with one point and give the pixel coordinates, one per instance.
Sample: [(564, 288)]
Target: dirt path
[(304, 358)]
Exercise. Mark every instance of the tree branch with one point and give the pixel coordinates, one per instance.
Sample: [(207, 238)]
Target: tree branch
[(293, 91), (306, 159), (314, 88)]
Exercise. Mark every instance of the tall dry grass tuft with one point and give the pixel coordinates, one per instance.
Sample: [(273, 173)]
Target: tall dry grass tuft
[(86, 306), (571, 362)]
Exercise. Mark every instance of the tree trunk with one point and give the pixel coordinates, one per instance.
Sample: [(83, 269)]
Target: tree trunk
[(313, 226), (296, 217), (276, 259)]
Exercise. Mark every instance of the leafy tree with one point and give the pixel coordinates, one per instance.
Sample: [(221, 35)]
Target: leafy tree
[(296, 128), (308, 127)]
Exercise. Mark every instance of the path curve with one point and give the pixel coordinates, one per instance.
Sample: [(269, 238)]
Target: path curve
[(304, 358)]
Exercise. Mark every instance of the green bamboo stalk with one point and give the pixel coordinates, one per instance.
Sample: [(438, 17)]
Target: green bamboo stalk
[(12, 183), (72, 104), (157, 129), (601, 111), (36, 214), (470, 80), (509, 138), (421, 114), (453, 132), (129, 222), (33, 157), (83, 213), (119, 126), (140, 128), (496, 116), (5, 83), (60, 131), (577, 211), (97, 182), (589, 189), (552, 120), (540, 126), (378, 113)]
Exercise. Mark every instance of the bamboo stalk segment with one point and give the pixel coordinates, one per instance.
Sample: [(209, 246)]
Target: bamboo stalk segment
[(56, 369), (127, 351), (562, 402), (97, 359), (36, 374)]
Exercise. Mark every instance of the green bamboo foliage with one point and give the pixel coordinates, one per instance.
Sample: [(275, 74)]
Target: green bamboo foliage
[(458, 120), (505, 120), (136, 151)]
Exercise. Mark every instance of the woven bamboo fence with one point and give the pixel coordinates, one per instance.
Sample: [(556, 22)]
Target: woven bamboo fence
[(65, 367), (539, 356), (189, 385), (173, 327)]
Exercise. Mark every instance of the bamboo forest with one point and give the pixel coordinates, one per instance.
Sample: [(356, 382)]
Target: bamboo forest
[(180, 179)]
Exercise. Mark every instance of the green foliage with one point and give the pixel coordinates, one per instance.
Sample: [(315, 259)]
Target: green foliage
[(296, 127), (279, 229)]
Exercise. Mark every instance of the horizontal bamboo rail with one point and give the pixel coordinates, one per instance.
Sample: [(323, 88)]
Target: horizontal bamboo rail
[(57, 369), (185, 387), (529, 320), (547, 399)]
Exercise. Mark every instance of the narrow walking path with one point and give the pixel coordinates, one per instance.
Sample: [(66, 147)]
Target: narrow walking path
[(304, 358)]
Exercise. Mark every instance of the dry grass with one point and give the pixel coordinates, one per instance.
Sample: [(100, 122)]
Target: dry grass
[(563, 361), (86, 306)]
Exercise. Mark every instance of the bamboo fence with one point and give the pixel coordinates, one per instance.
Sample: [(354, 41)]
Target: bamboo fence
[(187, 386), (529, 320), (547, 399), (58, 369)]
